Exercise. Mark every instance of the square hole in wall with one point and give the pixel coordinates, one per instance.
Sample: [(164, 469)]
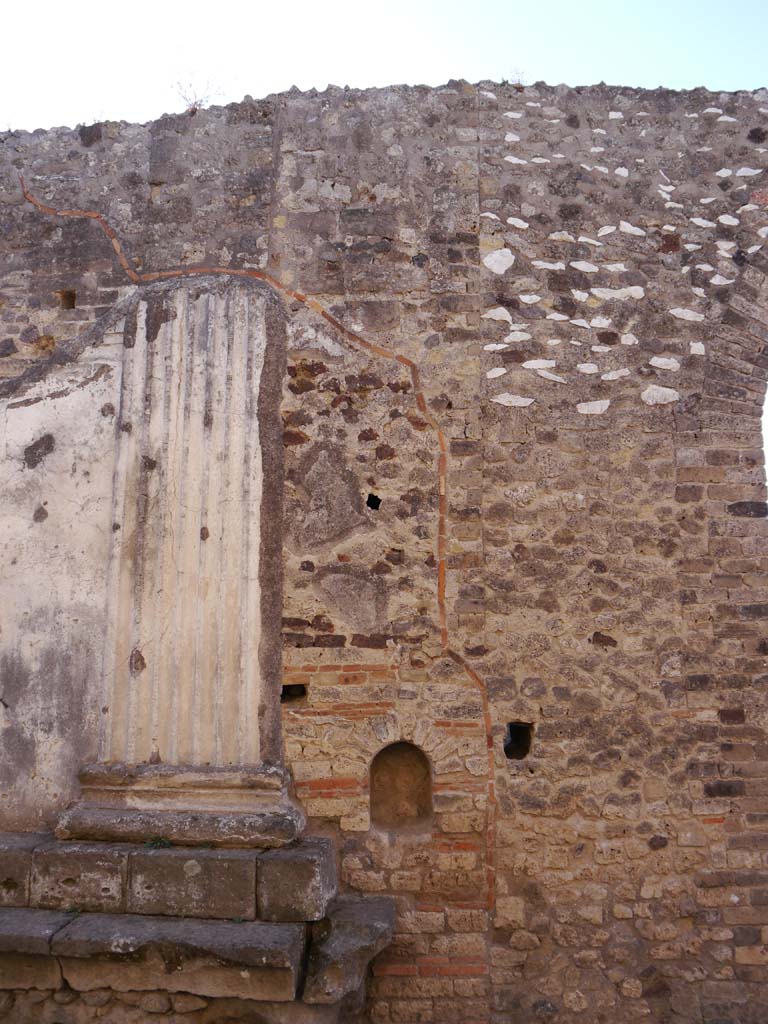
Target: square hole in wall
[(517, 740)]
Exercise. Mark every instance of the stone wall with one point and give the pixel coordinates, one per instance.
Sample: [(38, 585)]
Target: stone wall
[(524, 483)]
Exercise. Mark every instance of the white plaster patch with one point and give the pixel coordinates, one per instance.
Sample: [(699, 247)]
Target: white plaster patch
[(511, 137), (580, 323), (629, 339), (634, 291), (491, 216), (497, 313), (515, 160), (513, 113), (686, 314), (747, 172), (556, 316), (607, 230), (654, 394), (600, 321), (718, 279), (497, 346), (497, 371), (562, 236), (724, 172), (727, 218), (518, 336), (587, 268), (622, 172), (538, 364), (664, 363), (499, 261), (697, 348), (630, 229), (513, 401), (614, 268), (516, 222), (593, 408), (701, 222), (615, 115), (614, 374), (579, 295), (544, 265), (589, 241), (529, 300), (551, 376), (588, 368)]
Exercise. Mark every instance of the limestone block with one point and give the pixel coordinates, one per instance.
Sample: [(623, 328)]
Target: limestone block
[(24, 930), (191, 882), (80, 876), (296, 884), (16, 865)]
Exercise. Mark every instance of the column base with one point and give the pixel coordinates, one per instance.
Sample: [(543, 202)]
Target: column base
[(184, 806)]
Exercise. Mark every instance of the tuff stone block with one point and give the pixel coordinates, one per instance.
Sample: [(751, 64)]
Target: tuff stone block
[(296, 884), (80, 876), (191, 882), (21, 971), (16, 849)]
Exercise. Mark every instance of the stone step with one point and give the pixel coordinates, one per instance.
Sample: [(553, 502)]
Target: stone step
[(292, 884), (129, 952), (316, 969)]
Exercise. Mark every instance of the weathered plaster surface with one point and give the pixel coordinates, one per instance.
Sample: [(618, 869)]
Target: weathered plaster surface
[(524, 482)]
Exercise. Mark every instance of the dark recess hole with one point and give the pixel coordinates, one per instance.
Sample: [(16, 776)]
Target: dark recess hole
[(67, 298), (373, 501), (291, 692), (517, 742)]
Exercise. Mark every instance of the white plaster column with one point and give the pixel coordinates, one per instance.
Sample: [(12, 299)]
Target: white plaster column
[(191, 674)]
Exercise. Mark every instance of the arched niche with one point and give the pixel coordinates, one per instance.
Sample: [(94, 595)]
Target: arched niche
[(401, 789)]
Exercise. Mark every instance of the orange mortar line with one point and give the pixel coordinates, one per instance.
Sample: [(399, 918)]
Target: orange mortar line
[(378, 350), (492, 801)]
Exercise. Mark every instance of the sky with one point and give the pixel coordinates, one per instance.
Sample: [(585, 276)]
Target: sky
[(84, 61)]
